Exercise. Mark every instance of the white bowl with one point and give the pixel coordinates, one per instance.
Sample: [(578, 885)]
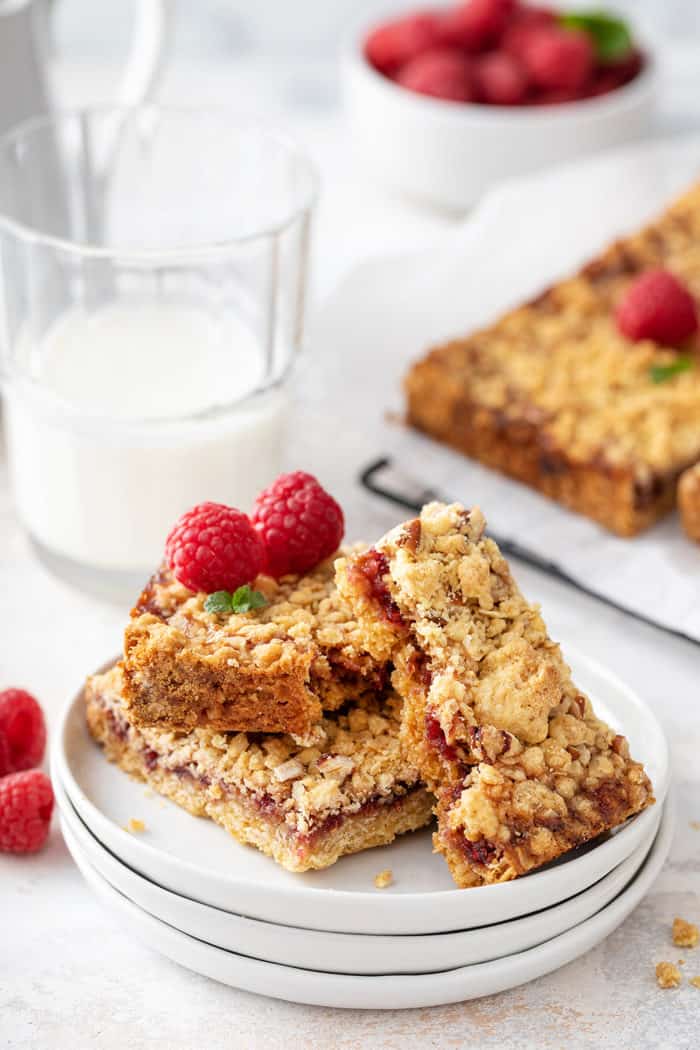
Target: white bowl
[(345, 952), (450, 153)]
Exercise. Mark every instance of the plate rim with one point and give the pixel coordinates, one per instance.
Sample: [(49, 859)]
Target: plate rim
[(345, 990), (615, 882), (392, 906)]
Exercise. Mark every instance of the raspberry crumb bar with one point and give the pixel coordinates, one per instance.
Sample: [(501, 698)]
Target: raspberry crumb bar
[(305, 807), (522, 769), (555, 396), (689, 501), (270, 670)]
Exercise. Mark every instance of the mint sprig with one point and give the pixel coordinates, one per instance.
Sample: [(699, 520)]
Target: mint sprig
[(611, 35), (243, 600), (662, 373)]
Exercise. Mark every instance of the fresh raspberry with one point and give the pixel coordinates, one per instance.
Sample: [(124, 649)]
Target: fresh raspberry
[(22, 731), (441, 73), (559, 58), (390, 46), (657, 306), (520, 27), (26, 804), (614, 75), (214, 548), (500, 79), (299, 522), (475, 25), (555, 96)]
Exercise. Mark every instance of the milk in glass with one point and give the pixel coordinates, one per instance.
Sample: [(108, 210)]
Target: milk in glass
[(128, 415)]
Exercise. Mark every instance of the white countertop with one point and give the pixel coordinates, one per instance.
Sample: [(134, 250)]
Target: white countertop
[(69, 976)]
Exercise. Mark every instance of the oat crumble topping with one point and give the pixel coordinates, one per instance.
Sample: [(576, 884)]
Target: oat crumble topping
[(357, 760), (303, 613), (685, 934), (384, 879), (667, 975), (270, 670), (522, 768), (560, 362)]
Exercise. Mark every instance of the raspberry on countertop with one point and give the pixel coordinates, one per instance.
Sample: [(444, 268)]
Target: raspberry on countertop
[(26, 805), (22, 731)]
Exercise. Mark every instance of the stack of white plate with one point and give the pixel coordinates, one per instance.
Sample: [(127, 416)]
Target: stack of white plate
[(331, 938)]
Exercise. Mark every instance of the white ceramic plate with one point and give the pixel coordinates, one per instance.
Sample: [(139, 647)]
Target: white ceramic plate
[(346, 952), (196, 859), (389, 992)]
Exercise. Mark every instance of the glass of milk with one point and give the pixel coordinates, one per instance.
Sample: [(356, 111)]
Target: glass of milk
[(153, 272)]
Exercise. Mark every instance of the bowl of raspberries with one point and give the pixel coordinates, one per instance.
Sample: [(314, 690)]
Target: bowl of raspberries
[(445, 101)]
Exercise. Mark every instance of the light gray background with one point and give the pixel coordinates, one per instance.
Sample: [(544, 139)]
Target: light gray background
[(222, 30), (69, 976)]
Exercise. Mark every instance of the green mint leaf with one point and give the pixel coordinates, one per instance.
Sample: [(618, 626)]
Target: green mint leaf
[(611, 36), (245, 600), (219, 602), (661, 373)]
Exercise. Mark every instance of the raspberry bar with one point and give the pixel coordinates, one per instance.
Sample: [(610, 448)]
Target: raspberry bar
[(522, 769), (271, 670), (305, 807), (689, 501), (553, 395)]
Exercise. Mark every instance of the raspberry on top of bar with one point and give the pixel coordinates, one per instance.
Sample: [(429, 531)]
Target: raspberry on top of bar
[(522, 768), (273, 669), (304, 806)]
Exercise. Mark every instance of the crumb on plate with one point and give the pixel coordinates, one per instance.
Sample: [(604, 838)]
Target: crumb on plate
[(685, 934), (667, 975), (695, 981), (136, 826), (384, 879)]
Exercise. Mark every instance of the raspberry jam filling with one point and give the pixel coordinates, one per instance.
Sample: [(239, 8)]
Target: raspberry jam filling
[(436, 737), (148, 601), (372, 568), (480, 852), (264, 804)]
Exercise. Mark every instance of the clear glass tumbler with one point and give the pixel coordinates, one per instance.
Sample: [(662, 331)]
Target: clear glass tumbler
[(153, 269)]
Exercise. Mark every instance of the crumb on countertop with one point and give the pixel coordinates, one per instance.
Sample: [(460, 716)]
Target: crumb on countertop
[(695, 981), (136, 826), (685, 934), (384, 879), (667, 975), (695, 825)]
